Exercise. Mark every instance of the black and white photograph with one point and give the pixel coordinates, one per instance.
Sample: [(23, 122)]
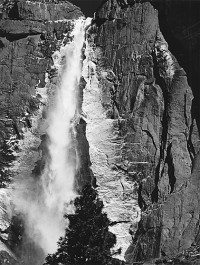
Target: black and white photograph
[(99, 132)]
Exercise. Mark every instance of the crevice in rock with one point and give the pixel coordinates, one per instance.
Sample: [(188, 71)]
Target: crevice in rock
[(16, 130), (185, 110), (14, 12), (162, 84), (1, 44), (115, 106), (28, 123), (151, 136), (118, 222), (169, 161), (141, 202), (13, 37), (73, 10), (190, 145), (154, 194), (17, 36), (121, 168)]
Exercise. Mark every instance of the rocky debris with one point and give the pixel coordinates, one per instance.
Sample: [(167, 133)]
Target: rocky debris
[(145, 90), (29, 33)]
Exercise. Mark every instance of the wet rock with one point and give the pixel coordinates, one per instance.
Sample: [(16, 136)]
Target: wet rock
[(29, 34)]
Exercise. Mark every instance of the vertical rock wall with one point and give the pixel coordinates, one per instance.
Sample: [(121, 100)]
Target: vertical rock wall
[(146, 99), (105, 142), (142, 127)]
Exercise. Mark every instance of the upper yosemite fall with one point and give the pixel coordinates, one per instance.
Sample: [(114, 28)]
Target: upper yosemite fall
[(110, 100)]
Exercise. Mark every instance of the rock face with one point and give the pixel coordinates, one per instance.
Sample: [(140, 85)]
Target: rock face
[(114, 183), (142, 117), (150, 127), (29, 33)]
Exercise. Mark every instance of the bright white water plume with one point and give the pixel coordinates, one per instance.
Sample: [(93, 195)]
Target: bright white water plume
[(46, 199)]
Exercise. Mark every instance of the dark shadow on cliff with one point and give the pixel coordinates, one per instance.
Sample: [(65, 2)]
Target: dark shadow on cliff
[(179, 23)]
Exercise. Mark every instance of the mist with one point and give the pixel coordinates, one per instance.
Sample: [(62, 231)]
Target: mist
[(43, 201)]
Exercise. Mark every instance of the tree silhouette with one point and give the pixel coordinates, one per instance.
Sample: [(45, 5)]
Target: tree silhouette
[(87, 240)]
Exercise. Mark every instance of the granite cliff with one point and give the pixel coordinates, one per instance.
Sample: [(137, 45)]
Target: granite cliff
[(145, 91), (139, 97)]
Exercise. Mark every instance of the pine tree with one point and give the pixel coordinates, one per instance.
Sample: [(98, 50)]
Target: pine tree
[(87, 240)]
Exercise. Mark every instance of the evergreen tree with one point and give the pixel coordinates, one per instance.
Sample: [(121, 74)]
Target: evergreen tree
[(87, 240)]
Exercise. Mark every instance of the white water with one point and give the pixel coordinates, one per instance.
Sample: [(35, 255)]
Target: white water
[(44, 201)]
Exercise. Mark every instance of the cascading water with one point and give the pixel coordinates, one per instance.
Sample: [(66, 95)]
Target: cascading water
[(44, 201)]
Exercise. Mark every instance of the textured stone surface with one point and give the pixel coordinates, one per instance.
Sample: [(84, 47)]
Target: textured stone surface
[(40, 10), (142, 127), (103, 134), (147, 93)]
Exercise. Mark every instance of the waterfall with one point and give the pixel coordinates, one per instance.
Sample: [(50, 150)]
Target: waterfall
[(44, 201)]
